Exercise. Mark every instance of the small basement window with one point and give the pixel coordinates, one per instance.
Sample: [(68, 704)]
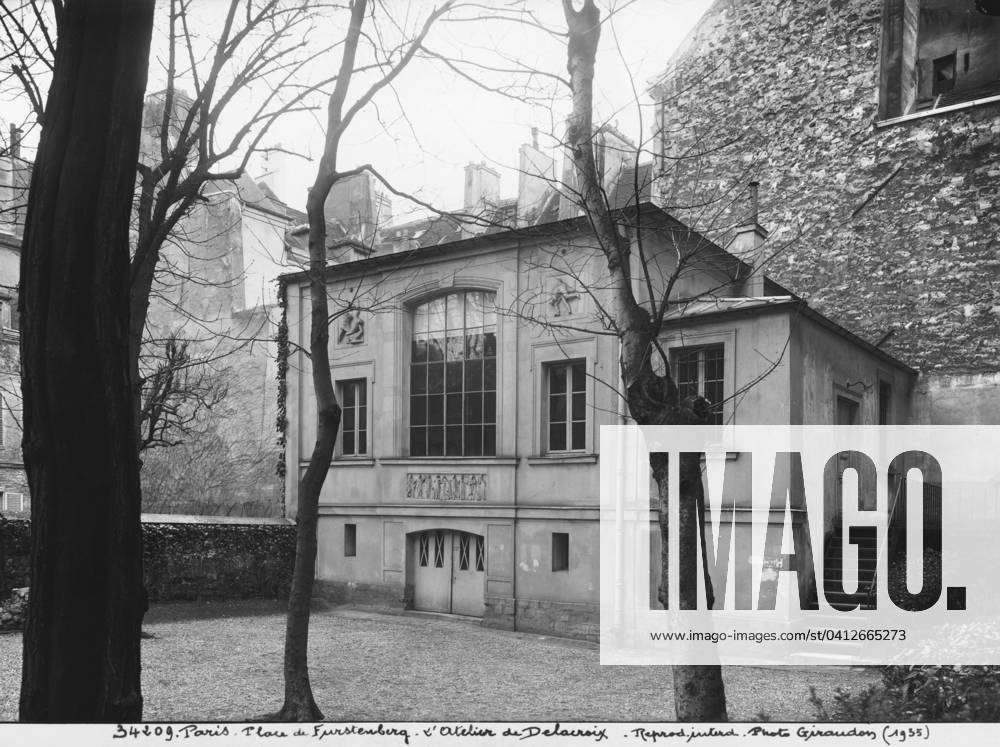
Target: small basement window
[(560, 551), (350, 540)]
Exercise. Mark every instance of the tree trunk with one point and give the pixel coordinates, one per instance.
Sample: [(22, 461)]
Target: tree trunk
[(81, 642), (652, 399), (299, 703)]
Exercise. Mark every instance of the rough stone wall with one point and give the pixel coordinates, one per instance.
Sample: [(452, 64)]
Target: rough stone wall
[(189, 561), (886, 230)]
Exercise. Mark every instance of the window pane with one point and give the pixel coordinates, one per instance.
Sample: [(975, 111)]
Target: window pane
[(557, 408), (454, 377), (418, 442), (435, 347), (557, 436), (456, 347), (480, 554), (579, 406), (557, 379), (474, 408), (348, 445), (435, 441), (579, 376), (419, 352), (474, 310), (475, 345), (435, 409), (454, 409), (362, 393), (348, 419), (420, 319), (490, 407), (418, 410), (473, 376), (435, 315), (579, 436), (347, 393), (490, 374), (489, 440), (362, 443), (435, 378), (473, 440), (490, 346), (453, 440), (456, 310), (418, 379)]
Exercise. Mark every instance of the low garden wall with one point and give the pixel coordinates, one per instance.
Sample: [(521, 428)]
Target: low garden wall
[(188, 557)]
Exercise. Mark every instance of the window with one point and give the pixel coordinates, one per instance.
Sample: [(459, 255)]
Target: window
[(884, 402), (566, 406), (936, 53), (350, 540), (560, 551), (453, 376), (847, 411), (354, 418), (11, 501), (439, 550), (480, 554), (8, 313), (463, 552), (424, 549), (701, 372)]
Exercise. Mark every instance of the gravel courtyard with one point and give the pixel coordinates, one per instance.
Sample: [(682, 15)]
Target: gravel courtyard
[(222, 662)]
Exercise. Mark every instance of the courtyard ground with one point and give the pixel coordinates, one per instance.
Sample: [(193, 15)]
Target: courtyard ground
[(222, 662)]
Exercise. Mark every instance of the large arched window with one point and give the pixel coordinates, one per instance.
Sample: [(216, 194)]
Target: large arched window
[(453, 376)]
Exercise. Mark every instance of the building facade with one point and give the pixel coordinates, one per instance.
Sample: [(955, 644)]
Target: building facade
[(475, 376)]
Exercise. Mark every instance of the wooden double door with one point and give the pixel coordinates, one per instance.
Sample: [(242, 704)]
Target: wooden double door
[(450, 572)]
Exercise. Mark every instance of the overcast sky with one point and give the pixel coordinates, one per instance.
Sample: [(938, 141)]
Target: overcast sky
[(423, 132), (450, 122)]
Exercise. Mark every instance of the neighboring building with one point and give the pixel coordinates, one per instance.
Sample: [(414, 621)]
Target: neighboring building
[(217, 287), (15, 176), (466, 473), (873, 127)]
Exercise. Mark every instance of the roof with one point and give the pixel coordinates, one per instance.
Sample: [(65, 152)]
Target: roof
[(705, 308)]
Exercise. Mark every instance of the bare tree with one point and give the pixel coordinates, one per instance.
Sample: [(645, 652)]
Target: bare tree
[(299, 704), (81, 643)]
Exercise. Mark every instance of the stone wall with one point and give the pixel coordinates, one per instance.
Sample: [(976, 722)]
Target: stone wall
[(887, 229), (191, 560)]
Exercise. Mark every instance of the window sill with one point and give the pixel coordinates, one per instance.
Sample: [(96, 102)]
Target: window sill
[(566, 458), (452, 461), (880, 124), (351, 461)]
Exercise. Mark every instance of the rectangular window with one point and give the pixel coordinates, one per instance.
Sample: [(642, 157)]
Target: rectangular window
[(8, 313), (424, 549), (350, 540), (439, 550), (884, 402), (354, 417), (480, 554), (463, 552), (453, 376), (566, 406), (12, 501), (700, 371), (560, 551)]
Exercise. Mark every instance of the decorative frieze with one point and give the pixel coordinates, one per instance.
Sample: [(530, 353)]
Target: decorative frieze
[(446, 487)]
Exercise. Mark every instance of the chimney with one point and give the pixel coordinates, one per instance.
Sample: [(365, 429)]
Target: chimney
[(535, 176), (482, 193), (15, 141), (748, 242)]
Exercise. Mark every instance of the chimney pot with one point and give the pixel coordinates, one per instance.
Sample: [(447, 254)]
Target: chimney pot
[(754, 202)]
